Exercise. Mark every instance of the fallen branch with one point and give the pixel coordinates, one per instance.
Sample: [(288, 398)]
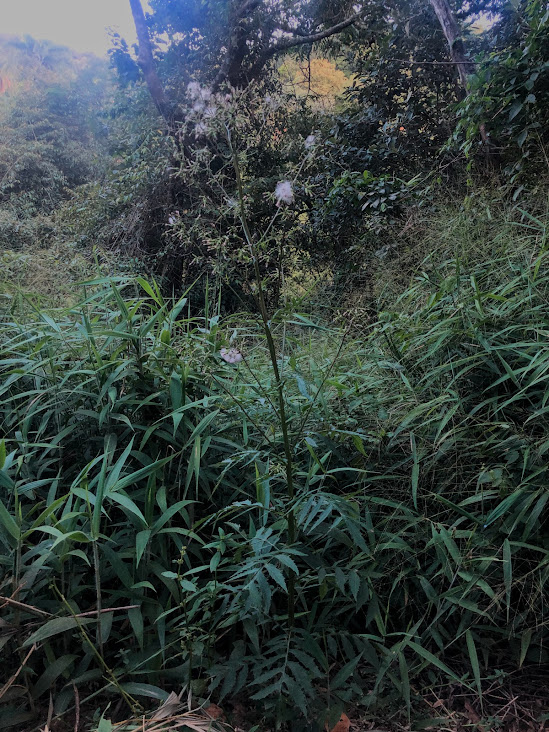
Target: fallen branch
[(26, 608)]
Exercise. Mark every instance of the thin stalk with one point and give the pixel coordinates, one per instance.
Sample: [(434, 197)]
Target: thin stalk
[(279, 383), (109, 673), (98, 596), (243, 408)]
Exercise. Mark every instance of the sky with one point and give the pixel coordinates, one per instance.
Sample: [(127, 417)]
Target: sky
[(80, 24)]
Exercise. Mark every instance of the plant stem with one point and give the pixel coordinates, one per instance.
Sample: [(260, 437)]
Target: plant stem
[(98, 595), (131, 702), (279, 383)]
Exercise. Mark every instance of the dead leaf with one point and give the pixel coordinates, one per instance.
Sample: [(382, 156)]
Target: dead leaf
[(343, 724), (473, 716), (215, 712), (169, 708)]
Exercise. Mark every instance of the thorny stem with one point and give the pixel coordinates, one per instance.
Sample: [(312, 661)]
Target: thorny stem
[(279, 383)]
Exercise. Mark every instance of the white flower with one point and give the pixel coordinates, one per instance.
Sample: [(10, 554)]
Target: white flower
[(231, 355), (284, 192), (193, 89), (210, 111), (309, 141), (200, 129), (198, 106), (198, 92)]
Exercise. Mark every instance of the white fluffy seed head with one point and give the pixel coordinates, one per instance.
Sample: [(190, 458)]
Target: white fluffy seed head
[(200, 129), (193, 89), (230, 355), (284, 192)]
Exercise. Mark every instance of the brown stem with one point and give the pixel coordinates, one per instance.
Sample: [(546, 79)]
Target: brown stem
[(452, 33), (145, 60), (299, 39)]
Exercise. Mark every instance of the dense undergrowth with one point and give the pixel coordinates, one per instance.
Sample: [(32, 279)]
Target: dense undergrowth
[(143, 481)]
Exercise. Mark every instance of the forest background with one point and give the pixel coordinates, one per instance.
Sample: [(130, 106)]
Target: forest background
[(274, 397)]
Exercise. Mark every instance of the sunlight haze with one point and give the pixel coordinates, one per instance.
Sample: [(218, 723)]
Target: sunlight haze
[(79, 24)]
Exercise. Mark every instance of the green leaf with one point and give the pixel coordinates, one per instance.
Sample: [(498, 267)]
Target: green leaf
[(186, 585), (433, 660), (123, 500), (415, 469), (521, 139), (343, 674), (176, 390), (105, 725), (141, 541), (473, 657), (515, 109), (201, 426), (277, 575), (54, 627), (52, 672), (404, 682), (135, 616), (148, 690), (507, 574), (8, 522), (525, 640), (503, 507)]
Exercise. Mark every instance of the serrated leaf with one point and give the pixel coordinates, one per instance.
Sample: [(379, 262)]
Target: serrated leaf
[(277, 575), (343, 674)]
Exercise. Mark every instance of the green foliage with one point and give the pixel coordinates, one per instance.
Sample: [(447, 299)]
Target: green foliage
[(146, 206), (381, 198), (510, 94), (49, 147), (142, 472), (47, 126), (273, 506), (404, 91)]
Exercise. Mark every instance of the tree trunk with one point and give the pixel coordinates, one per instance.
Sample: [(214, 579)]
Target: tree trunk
[(465, 66), (452, 33), (146, 62)]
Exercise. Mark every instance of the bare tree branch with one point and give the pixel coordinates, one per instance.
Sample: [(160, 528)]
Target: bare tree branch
[(299, 40), (302, 40)]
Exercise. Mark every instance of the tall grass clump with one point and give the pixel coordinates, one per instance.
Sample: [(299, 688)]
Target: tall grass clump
[(325, 519)]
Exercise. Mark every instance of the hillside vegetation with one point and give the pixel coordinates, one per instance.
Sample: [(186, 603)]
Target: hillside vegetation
[(274, 363)]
